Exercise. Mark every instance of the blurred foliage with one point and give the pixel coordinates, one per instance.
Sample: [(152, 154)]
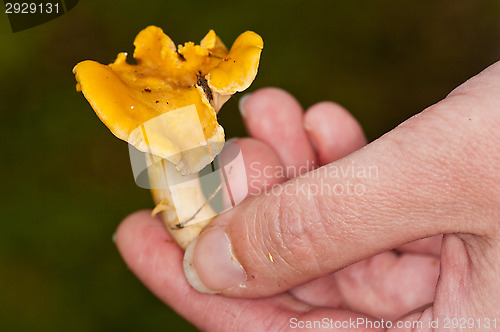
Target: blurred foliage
[(67, 182)]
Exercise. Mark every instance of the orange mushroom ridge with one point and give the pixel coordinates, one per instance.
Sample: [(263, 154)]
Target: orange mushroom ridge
[(168, 78)]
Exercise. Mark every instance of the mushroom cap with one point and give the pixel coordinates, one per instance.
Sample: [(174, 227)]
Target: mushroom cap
[(133, 100)]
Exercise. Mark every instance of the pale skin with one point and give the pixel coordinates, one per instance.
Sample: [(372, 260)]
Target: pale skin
[(438, 173)]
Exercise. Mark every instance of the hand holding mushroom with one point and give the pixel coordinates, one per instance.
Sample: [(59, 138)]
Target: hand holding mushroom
[(331, 254)]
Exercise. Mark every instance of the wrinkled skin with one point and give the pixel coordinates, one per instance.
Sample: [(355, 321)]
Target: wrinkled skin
[(438, 173)]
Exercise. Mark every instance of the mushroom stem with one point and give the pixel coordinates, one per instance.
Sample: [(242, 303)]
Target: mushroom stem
[(182, 206)]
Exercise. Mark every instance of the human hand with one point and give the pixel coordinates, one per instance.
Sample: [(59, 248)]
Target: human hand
[(436, 173)]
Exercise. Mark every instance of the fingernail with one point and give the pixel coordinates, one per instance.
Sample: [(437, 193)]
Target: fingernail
[(209, 263), (241, 103), (312, 139)]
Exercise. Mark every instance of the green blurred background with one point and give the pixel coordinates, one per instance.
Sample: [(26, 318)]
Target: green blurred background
[(66, 181)]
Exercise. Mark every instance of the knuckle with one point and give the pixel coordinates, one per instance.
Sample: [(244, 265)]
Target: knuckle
[(297, 234)]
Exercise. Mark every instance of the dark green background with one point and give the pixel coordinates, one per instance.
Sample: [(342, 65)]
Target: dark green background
[(66, 181)]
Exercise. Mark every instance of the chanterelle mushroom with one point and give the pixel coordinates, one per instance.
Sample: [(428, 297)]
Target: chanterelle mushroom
[(167, 78)]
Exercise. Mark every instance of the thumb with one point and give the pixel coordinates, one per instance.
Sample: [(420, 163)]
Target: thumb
[(433, 174)]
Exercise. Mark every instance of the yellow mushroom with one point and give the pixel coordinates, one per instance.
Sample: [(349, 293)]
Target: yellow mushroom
[(128, 98)]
